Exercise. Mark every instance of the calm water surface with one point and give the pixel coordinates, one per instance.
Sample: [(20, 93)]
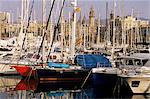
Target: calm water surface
[(17, 88)]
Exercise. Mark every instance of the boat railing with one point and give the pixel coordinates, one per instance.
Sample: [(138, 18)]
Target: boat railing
[(133, 70), (103, 65)]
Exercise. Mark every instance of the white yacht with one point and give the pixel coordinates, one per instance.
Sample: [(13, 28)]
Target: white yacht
[(135, 71)]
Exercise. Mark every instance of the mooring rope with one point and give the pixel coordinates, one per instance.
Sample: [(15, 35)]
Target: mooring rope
[(86, 78)]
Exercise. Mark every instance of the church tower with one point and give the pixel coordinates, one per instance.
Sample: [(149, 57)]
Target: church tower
[(84, 21), (91, 17), (92, 28)]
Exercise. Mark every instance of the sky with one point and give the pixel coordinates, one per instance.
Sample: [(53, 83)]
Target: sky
[(141, 8)]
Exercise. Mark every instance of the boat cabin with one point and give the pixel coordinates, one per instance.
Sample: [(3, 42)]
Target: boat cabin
[(131, 61)]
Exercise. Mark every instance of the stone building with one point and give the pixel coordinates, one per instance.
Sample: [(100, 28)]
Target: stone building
[(4, 24), (128, 30)]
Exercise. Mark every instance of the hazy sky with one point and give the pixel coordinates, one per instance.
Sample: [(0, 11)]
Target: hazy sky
[(141, 7)]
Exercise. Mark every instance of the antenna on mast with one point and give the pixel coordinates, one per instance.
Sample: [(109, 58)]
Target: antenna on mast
[(106, 15)]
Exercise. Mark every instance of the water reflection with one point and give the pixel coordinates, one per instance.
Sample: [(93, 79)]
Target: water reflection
[(141, 97), (18, 88), (8, 83), (43, 89)]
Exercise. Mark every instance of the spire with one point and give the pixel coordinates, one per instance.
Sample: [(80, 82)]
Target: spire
[(84, 20), (92, 13), (111, 15), (91, 16), (62, 17)]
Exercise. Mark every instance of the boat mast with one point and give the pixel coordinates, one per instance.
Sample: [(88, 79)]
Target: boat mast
[(12, 21), (107, 25), (132, 29), (51, 28), (22, 16), (113, 46), (69, 44), (21, 34), (43, 28), (123, 31), (106, 15), (62, 34), (9, 24), (84, 36), (73, 31), (98, 35)]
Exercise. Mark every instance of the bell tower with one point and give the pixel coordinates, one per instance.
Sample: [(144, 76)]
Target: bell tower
[(92, 28), (91, 16)]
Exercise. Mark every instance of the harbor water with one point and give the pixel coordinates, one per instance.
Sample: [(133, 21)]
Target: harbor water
[(15, 87)]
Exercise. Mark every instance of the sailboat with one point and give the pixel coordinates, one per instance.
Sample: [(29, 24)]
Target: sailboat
[(9, 58), (54, 72)]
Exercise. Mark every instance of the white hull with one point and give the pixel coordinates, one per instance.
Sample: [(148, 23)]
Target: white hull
[(105, 70), (139, 84)]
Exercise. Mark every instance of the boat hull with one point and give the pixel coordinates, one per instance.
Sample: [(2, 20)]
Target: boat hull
[(54, 74), (138, 84), (104, 76), (25, 70), (62, 75)]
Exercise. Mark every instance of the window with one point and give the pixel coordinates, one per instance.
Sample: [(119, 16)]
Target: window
[(137, 62), (144, 61), (129, 62), (135, 83), (53, 57)]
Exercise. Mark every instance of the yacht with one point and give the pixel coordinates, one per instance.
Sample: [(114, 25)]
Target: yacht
[(135, 72)]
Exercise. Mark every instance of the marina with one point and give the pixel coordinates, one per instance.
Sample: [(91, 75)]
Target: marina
[(57, 49)]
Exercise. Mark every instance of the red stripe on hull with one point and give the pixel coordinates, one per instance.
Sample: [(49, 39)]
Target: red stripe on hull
[(25, 70), (61, 79)]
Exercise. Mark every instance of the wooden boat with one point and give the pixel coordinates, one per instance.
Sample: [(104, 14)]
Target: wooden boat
[(71, 74)]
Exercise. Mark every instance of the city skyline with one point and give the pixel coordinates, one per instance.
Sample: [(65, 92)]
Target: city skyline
[(140, 7)]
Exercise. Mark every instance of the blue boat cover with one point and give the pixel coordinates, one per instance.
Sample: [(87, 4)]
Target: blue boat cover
[(89, 61), (57, 65)]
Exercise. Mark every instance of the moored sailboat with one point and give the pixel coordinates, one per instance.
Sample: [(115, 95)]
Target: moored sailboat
[(53, 71)]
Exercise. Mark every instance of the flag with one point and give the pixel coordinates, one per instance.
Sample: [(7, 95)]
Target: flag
[(78, 9)]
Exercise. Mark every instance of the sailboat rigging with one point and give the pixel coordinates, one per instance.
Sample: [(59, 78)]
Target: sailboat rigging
[(50, 13), (29, 19), (54, 71), (55, 28)]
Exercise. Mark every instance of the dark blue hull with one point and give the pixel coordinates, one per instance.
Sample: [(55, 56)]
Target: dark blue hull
[(62, 75), (106, 82)]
